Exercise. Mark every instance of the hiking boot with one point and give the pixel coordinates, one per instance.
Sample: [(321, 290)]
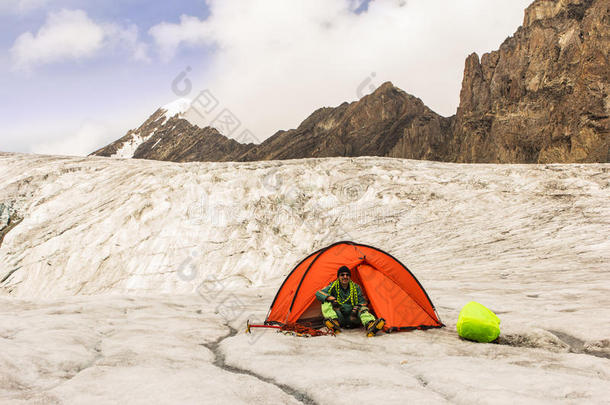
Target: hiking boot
[(374, 326), (332, 325)]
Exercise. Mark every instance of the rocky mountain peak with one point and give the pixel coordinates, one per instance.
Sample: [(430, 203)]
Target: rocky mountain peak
[(542, 97), (168, 135), (375, 125), (384, 88), (549, 9)]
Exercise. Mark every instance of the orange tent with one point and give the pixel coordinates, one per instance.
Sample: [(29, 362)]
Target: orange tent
[(392, 290)]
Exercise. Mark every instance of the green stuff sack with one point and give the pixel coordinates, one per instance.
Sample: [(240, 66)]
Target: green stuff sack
[(478, 323)]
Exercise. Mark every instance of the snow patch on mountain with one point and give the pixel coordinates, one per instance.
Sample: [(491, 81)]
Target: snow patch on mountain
[(130, 146), (180, 106), (156, 143)]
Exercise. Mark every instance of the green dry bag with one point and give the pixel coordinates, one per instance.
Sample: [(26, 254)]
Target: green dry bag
[(478, 323)]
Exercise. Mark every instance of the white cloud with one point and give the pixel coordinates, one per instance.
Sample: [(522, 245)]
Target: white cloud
[(276, 61), (128, 39), (169, 36), (69, 35)]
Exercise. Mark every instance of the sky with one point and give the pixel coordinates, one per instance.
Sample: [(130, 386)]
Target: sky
[(75, 75)]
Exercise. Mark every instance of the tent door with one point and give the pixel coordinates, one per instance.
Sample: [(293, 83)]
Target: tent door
[(312, 316)]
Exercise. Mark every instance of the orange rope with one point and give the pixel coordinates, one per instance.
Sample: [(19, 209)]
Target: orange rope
[(302, 330)]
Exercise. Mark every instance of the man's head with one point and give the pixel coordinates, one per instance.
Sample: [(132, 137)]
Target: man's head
[(344, 275)]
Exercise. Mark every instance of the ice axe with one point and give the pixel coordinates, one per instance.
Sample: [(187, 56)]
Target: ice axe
[(249, 325)]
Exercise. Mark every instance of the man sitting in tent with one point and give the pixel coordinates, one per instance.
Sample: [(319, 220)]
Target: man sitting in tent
[(343, 303)]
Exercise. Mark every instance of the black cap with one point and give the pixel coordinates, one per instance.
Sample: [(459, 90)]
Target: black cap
[(344, 269)]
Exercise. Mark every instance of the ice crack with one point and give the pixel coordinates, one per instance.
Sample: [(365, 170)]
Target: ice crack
[(425, 384), (219, 361), (578, 346)]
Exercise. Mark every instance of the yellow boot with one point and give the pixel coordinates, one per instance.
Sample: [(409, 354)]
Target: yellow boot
[(374, 326), (332, 325)]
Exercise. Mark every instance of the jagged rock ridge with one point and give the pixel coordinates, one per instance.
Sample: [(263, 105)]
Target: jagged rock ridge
[(376, 125), (173, 138), (541, 98)]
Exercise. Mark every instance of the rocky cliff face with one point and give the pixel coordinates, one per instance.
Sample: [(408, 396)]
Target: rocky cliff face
[(543, 96)]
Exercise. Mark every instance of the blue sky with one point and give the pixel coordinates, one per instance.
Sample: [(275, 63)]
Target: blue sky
[(76, 75), (40, 105)]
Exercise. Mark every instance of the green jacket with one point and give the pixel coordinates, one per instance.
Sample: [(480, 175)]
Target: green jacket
[(342, 295)]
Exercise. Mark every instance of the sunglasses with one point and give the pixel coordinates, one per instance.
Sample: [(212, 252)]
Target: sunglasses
[(344, 275)]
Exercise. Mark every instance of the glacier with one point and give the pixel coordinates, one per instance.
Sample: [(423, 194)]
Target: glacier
[(132, 280)]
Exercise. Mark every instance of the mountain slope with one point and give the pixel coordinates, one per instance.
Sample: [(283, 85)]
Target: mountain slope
[(372, 126), (92, 225)]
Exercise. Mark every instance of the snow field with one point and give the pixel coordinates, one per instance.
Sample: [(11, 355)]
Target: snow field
[(104, 277)]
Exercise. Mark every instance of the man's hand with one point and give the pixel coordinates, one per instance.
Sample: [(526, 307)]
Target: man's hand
[(333, 302)]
